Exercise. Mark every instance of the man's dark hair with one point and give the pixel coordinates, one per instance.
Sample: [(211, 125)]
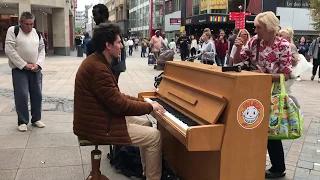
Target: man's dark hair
[(102, 9), (236, 31), (103, 33)]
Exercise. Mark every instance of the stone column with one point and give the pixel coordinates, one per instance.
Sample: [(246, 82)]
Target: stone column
[(39, 20), (24, 6), (61, 31)]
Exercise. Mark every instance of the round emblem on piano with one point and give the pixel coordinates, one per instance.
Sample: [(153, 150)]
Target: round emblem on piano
[(250, 113)]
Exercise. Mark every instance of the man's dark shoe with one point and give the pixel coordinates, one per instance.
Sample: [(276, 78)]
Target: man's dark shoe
[(272, 175)]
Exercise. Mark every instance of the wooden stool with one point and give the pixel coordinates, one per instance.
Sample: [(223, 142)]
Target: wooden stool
[(95, 173)]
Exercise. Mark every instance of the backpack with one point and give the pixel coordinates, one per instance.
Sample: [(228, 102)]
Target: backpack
[(127, 159), (16, 32)]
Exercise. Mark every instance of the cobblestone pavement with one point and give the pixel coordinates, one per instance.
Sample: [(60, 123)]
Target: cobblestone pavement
[(29, 156)]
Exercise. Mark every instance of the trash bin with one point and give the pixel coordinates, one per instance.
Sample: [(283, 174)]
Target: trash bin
[(79, 51)]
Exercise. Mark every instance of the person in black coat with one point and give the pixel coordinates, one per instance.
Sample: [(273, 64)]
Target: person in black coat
[(101, 15)]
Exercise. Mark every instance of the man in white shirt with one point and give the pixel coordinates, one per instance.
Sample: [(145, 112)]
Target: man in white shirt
[(130, 42), (26, 52)]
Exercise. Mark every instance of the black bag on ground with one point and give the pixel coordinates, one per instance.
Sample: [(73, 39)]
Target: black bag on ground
[(127, 159)]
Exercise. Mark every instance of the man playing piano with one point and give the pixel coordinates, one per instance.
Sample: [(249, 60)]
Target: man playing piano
[(100, 109)]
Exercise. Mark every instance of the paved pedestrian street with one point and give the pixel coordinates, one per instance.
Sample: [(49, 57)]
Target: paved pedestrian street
[(53, 153)]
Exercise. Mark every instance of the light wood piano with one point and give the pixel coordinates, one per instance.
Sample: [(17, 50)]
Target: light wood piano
[(216, 124)]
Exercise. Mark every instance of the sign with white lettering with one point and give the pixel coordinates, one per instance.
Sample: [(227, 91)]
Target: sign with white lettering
[(175, 21)]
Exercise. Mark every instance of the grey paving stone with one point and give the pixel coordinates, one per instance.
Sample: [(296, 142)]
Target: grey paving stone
[(306, 176), (55, 128), (11, 129), (309, 151), (52, 140), (10, 158), (49, 118), (6, 120), (48, 157), (315, 159), (305, 164), (14, 140), (8, 174), (51, 173)]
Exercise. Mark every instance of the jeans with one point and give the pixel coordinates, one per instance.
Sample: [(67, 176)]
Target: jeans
[(143, 51), (220, 61), (26, 82), (130, 50)]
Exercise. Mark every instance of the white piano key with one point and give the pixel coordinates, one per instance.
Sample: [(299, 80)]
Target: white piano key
[(172, 117), (148, 99)]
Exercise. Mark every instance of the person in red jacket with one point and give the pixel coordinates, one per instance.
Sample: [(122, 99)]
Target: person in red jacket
[(221, 48)]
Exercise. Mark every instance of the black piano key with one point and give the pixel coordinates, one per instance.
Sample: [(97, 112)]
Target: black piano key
[(176, 113)]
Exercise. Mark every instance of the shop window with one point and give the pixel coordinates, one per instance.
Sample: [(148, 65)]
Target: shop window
[(304, 3), (297, 3), (288, 3)]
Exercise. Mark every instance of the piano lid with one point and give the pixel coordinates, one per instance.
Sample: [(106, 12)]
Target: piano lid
[(196, 101)]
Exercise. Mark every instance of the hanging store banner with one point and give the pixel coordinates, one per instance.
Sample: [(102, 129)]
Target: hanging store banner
[(204, 5), (218, 4)]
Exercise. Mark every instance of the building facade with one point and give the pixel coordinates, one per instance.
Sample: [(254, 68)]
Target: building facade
[(139, 18), (172, 19), (54, 19), (145, 17), (296, 14), (80, 20), (196, 15), (199, 14), (122, 15)]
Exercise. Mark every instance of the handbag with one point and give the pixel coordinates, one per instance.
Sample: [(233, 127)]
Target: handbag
[(286, 118), (302, 66)]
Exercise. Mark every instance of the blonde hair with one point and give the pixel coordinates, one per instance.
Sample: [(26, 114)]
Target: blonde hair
[(268, 19), (207, 30), (246, 31), (289, 32), (207, 34)]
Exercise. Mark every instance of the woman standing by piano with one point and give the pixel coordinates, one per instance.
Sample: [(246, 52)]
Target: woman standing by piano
[(208, 51), (268, 54)]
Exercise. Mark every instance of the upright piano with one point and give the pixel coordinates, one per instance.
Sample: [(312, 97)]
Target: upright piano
[(216, 123)]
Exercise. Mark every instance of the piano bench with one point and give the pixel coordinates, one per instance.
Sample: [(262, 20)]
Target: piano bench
[(95, 173)]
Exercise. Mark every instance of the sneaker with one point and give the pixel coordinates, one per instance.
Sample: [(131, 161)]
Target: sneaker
[(272, 175), (298, 79), (39, 124), (22, 128), (312, 77)]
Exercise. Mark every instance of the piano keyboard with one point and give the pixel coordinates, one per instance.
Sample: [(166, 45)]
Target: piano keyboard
[(183, 121)]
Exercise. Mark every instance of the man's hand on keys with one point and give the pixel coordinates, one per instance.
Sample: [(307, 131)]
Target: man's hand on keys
[(157, 107)]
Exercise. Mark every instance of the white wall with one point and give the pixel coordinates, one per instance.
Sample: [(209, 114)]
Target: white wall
[(167, 26), (296, 18)]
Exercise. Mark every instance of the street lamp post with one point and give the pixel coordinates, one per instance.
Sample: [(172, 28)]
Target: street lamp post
[(240, 8)]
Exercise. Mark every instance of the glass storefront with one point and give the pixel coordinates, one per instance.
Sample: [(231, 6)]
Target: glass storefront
[(5, 22)]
